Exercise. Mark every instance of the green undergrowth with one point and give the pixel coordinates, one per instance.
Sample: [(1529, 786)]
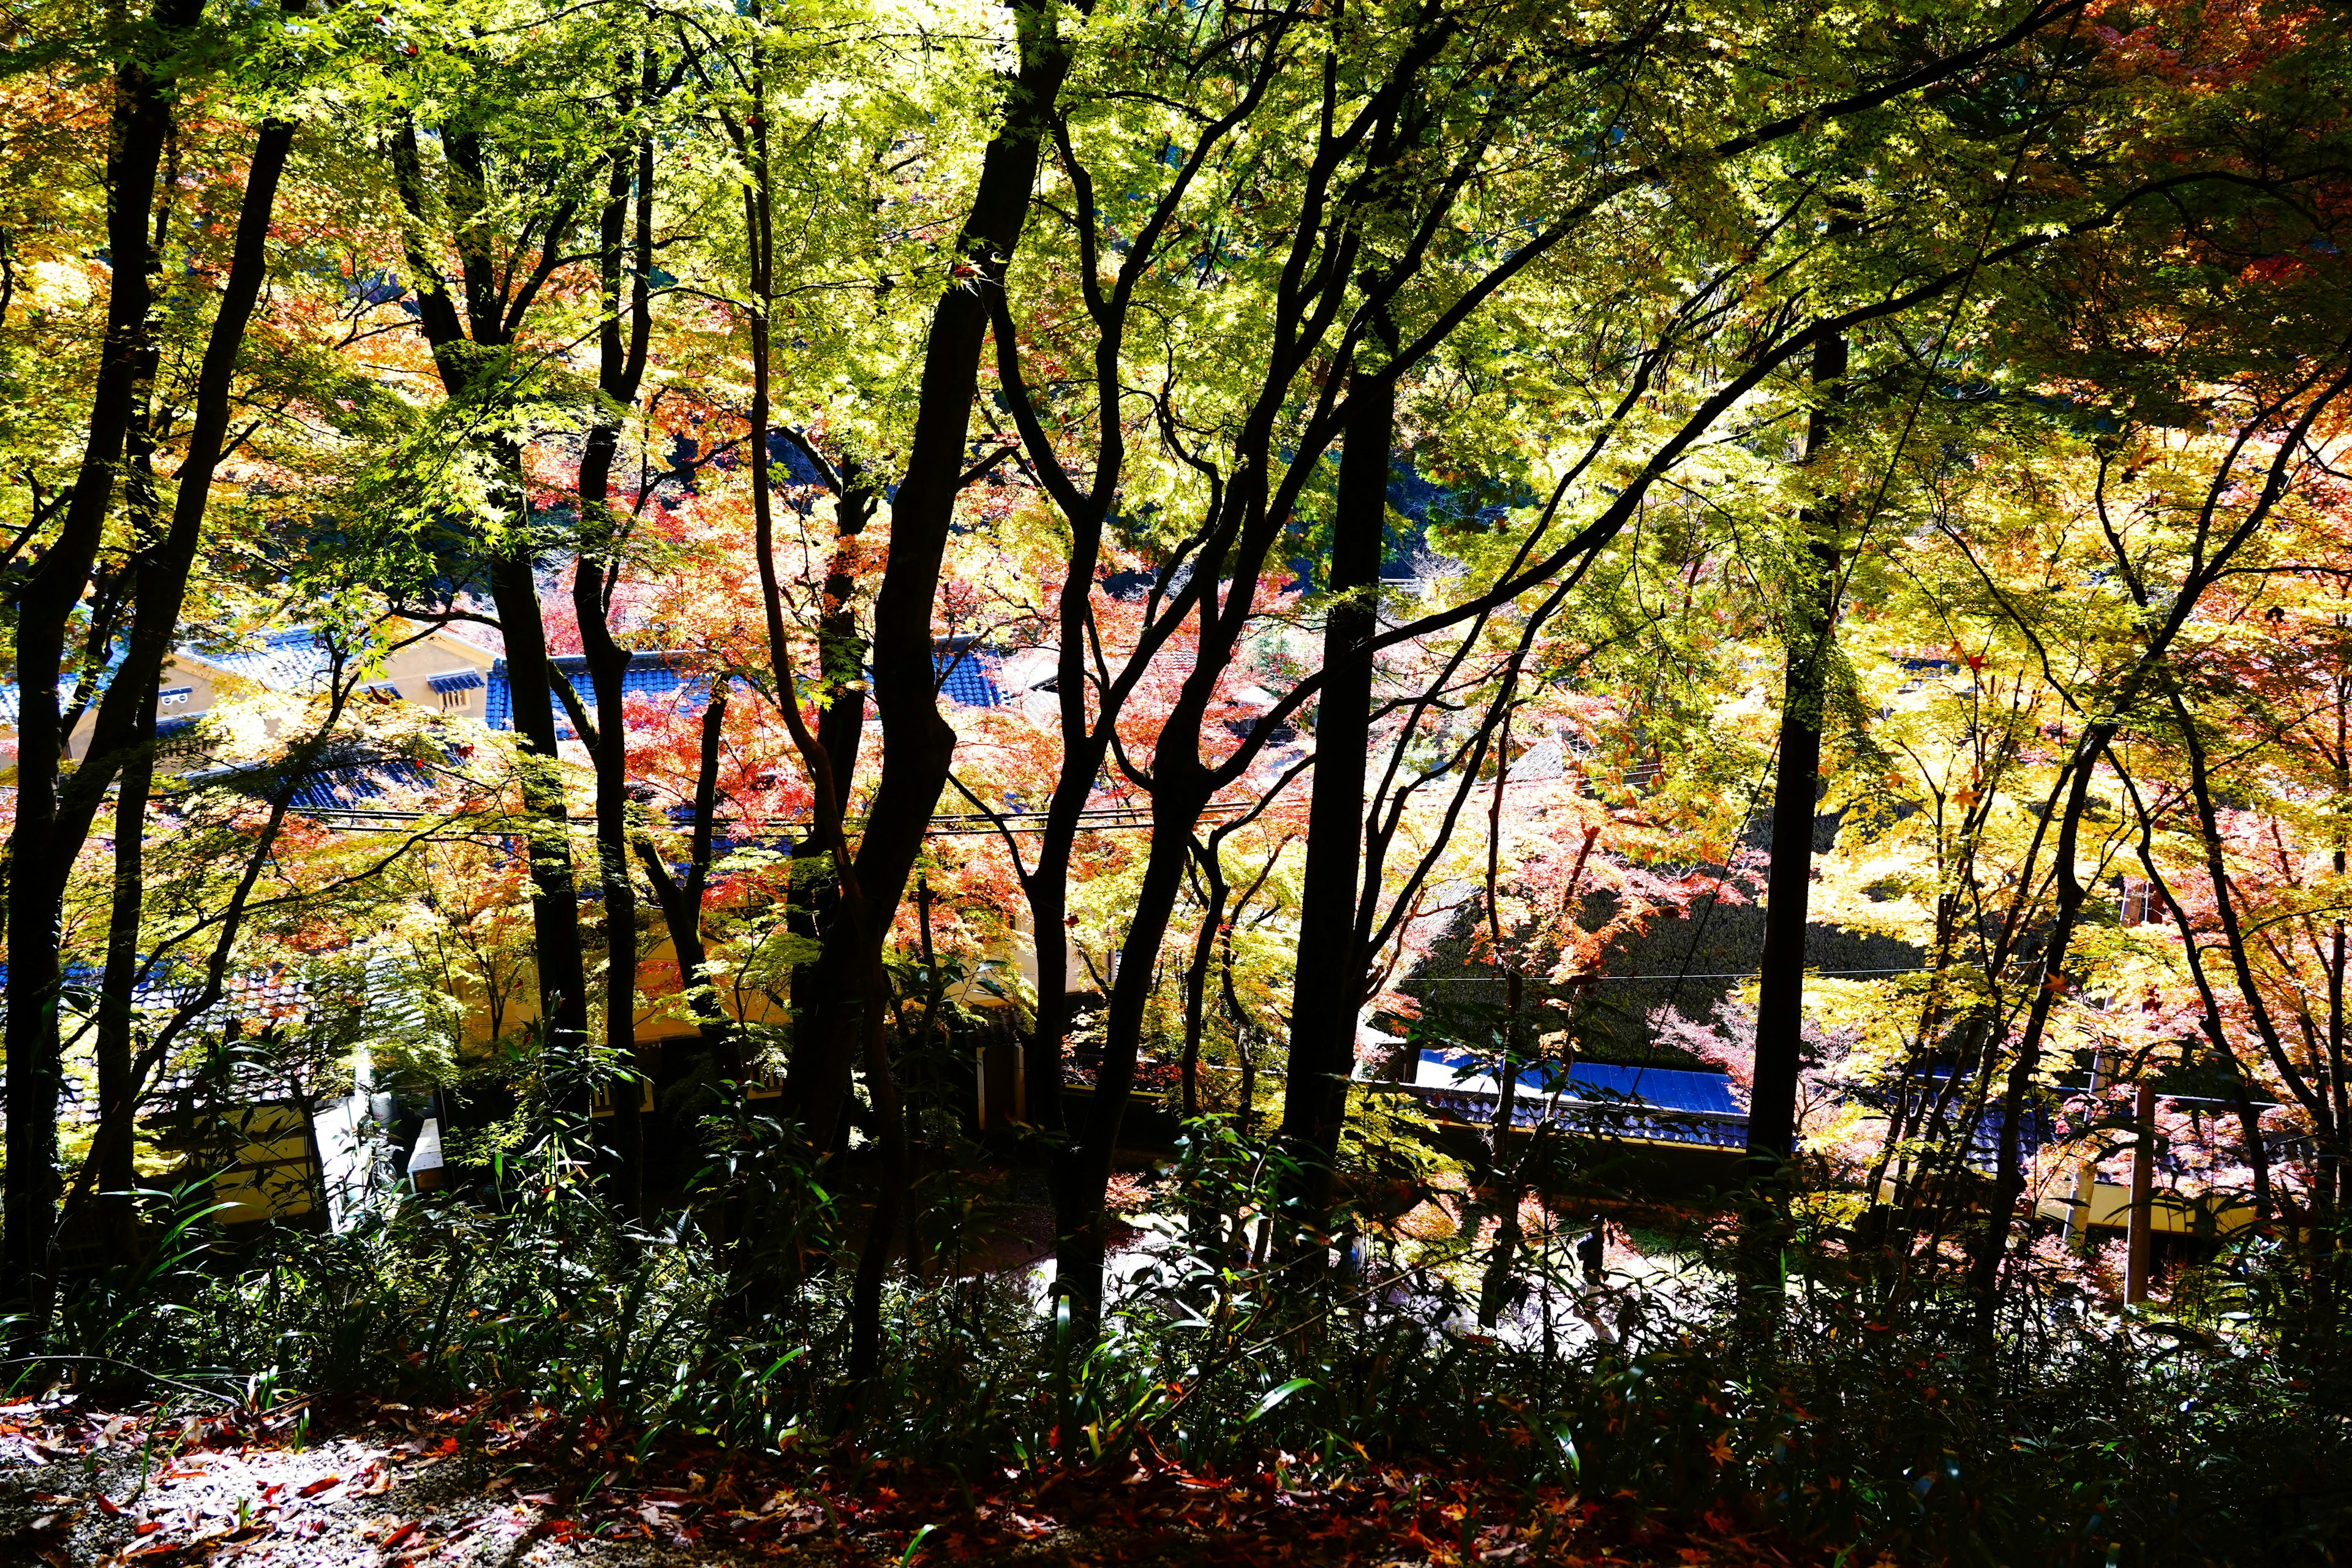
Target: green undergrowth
[(1820, 1413)]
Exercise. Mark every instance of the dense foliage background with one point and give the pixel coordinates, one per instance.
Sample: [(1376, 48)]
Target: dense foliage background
[(1271, 581)]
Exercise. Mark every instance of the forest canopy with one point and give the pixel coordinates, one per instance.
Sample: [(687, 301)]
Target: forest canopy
[(1454, 737)]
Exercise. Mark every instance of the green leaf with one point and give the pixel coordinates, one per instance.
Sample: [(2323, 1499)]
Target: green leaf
[(1276, 1395)]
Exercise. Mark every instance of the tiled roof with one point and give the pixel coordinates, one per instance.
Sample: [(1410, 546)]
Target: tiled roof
[(361, 784), (255, 996), (651, 674), (10, 709), (1667, 1088), (289, 661), (968, 677)]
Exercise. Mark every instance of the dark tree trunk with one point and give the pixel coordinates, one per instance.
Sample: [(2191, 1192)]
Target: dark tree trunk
[(554, 897), (621, 365), (117, 1091), (123, 732), (1213, 892), (40, 852), (2009, 1177), (498, 295), (1328, 988), (1796, 786), (820, 1073), (681, 898), (918, 745), (1084, 1174)]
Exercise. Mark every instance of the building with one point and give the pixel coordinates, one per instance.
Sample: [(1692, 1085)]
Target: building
[(432, 667)]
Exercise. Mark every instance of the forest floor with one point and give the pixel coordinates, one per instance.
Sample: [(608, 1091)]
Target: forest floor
[(391, 1487)]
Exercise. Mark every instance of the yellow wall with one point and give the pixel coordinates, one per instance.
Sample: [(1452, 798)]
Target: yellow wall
[(274, 1173), (2208, 1214)]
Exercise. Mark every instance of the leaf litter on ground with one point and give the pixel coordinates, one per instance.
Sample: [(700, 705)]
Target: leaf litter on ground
[(389, 1486)]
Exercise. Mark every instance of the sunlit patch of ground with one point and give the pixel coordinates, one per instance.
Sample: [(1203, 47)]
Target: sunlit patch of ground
[(405, 1488)]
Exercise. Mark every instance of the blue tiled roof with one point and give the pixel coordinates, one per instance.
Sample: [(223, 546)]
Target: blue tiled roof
[(1667, 1088), (968, 678), (360, 785), (289, 661), (653, 674), (10, 713), (456, 680)]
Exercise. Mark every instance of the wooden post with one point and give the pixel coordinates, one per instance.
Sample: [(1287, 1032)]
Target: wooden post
[(2142, 1186), (2086, 1178)]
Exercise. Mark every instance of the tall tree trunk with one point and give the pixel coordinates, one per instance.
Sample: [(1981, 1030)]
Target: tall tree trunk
[(1212, 891), (819, 1071), (1796, 785), (918, 745), (1085, 1176), (1329, 986), (38, 854), (123, 739), (2009, 1177), (620, 371), (554, 897), (680, 896), (2139, 1242), (117, 1091), (823, 902), (498, 295)]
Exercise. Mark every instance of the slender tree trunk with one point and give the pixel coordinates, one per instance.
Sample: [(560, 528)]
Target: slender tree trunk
[(497, 293), (2139, 1249), (1078, 1196), (620, 363), (820, 1073), (1196, 972), (2009, 1179), (681, 898), (39, 858), (1329, 982), (1781, 999), (117, 1091), (1245, 1104), (123, 732), (554, 897), (918, 745)]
